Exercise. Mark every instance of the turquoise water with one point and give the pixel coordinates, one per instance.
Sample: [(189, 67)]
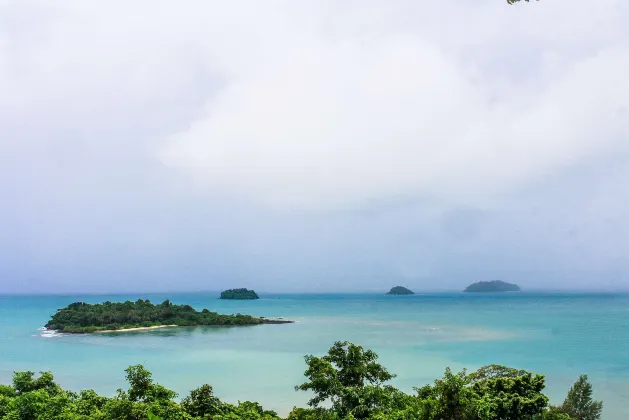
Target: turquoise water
[(560, 335)]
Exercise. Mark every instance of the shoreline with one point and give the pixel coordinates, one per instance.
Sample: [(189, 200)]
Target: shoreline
[(265, 321), (153, 327)]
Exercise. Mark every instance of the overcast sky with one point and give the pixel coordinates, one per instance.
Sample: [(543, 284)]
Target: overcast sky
[(313, 145)]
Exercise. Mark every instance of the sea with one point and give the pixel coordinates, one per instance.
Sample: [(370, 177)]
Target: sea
[(560, 335)]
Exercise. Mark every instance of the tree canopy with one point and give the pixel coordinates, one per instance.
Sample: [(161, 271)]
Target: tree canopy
[(492, 287), (81, 317), (400, 290), (244, 294), (347, 383), (579, 403), (349, 377)]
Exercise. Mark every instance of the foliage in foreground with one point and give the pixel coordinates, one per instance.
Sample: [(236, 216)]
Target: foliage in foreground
[(579, 403), (81, 317), (348, 383)]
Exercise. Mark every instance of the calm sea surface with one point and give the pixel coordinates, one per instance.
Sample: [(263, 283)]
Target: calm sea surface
[(559, 335)]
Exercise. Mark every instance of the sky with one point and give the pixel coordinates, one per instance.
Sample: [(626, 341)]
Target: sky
[(313, 146)]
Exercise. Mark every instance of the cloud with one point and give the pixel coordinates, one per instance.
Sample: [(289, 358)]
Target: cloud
[(353, 114), (403, 119), (320, 104), (406, 140)]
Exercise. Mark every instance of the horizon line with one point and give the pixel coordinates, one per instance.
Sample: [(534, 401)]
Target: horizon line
[(329, 292)]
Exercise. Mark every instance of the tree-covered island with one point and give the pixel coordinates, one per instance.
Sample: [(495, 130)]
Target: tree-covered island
[(492, 287), (239, 294), (81, 317), (400, 291)]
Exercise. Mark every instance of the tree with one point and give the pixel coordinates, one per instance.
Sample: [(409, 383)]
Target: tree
[(448, 398), (311, 414), (494, 371), (510, 398), (151, 416), (202, 402), (140, 382), (554, 413), (579, 403), (143, 389), (24, 382), (31, 404), (492, 392), (350, 377), (88, 401)]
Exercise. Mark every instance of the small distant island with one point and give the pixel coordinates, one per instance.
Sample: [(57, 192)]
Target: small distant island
[(400, 291), (81, 317), (239, 294), (492, 287)]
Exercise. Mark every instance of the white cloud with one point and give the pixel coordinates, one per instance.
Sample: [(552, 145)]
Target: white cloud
[(326, 104)]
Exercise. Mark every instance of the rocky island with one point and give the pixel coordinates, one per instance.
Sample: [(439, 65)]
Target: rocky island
[(492, 287), (240, 294), (81, 317), (400, 291)]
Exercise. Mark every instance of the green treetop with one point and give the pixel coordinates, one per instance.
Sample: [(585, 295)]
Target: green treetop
[(579, 403), (81, 317), (347, 383)]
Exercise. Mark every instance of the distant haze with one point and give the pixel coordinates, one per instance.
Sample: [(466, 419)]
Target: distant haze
[(314, 145)]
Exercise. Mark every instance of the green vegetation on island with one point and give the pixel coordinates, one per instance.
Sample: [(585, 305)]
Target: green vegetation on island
[(492, 287), (347, 383), (399, 291), (244, 294), (81, 317)]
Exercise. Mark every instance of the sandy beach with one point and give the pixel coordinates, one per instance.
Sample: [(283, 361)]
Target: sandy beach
[(135, 329)]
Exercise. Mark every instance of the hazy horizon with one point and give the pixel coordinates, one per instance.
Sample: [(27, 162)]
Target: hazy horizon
[(264, 292), (313, 146)]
